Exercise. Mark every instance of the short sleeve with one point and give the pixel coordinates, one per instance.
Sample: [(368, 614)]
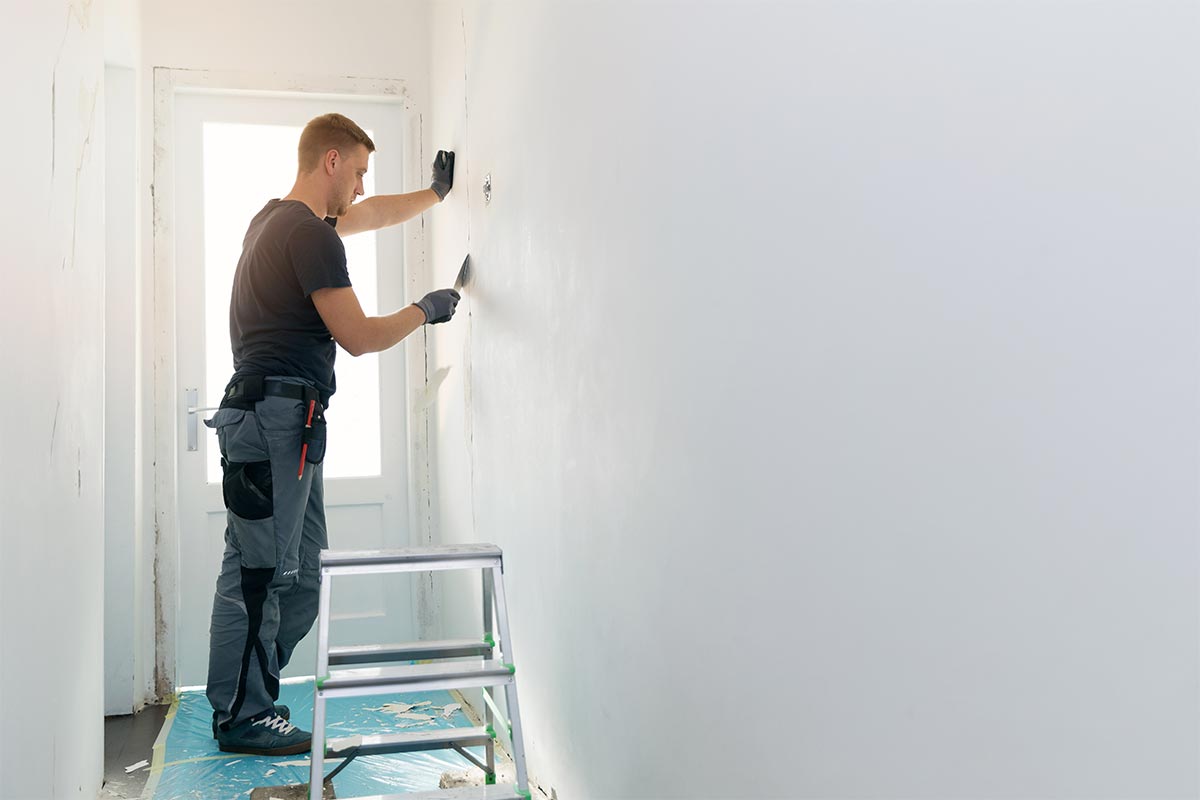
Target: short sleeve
[(318, 257)]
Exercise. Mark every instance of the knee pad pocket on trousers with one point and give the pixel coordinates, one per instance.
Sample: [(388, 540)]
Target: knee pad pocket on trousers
[(248, 488)]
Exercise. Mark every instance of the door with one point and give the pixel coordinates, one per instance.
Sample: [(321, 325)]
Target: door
[(234, 152)]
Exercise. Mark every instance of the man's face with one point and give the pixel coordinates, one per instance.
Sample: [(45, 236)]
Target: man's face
[(348, 175)]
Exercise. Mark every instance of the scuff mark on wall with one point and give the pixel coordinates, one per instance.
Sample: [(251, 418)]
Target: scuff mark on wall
[(164, 678), (54, 427), (79, 11), (84, 149)]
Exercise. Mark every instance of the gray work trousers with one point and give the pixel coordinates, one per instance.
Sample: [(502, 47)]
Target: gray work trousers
[(267, 591)]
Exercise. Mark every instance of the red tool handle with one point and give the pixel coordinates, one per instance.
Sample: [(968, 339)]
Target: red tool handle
[(312, 404)]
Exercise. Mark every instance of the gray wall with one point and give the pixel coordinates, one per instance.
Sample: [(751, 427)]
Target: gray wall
[(830, 382), (52, 425)]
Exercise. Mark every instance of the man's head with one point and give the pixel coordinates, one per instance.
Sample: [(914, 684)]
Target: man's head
[(333, 154)]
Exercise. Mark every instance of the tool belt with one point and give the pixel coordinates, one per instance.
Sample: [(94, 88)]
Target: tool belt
[(249, 390), (246, 392)]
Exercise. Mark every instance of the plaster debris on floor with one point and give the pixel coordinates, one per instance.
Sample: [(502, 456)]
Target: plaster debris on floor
[(191, 767)]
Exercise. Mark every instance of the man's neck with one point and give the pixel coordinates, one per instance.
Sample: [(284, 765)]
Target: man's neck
[(311, 198)]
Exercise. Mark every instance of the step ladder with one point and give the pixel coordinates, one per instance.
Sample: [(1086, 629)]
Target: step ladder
[(493, 667)]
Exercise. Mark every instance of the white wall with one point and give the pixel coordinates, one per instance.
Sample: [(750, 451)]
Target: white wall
[(126, 678), (380, 39), (122, 33), (829, 379), (128, 525), (52, 428)]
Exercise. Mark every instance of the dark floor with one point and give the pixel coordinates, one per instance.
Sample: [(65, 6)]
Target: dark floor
[(128, 740)]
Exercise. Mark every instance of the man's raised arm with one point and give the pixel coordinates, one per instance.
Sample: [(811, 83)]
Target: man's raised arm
[(384, 210)]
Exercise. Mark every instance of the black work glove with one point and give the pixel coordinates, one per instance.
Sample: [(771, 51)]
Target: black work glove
[(443, 173), (438, 305)]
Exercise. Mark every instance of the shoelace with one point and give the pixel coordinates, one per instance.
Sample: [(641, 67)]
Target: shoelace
[(276, 723)]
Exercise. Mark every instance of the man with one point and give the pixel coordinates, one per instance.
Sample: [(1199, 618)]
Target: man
[(291, 301)]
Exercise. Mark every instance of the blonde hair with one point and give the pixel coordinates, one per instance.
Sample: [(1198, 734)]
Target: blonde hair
[(329, 132)]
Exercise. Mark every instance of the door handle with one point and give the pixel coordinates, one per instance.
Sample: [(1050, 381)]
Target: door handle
[(193, 426)]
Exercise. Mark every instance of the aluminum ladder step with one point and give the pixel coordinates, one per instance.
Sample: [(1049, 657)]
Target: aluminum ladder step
[(408, 651), (415, 678), (413, 742), (410, 559), (496, 792)]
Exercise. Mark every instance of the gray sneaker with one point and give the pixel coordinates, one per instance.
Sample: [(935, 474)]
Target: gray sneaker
[(269, 735), (280, 710)]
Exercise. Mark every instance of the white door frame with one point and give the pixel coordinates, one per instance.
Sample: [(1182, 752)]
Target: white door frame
[(168, 404)]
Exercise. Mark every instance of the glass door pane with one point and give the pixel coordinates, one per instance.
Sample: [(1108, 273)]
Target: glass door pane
[(244, 166)]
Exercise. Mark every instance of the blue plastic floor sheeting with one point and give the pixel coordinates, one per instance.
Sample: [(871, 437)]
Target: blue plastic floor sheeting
[(192, 767)]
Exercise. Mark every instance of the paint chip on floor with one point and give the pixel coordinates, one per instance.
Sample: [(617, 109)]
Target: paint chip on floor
[(137, 766), (194, 768), (345, 743)]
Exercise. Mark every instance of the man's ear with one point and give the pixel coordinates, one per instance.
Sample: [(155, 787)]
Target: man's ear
[(331, 159)]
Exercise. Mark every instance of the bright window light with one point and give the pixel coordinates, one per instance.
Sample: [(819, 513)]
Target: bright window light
[(244, 167)]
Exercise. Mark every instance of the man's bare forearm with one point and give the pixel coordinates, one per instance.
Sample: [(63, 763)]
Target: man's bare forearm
[(390, 329), (397, 208), (385, 210)]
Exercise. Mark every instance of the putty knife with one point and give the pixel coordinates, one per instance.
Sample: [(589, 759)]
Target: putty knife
[(464, 274)]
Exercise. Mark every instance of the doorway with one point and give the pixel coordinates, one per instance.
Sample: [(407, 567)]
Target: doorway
[(231, 151)]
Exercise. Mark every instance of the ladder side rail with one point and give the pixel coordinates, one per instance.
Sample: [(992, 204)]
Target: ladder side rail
[(510, 688), (489, 692), (505, 726), (316, 773), (326, 592), (316, 766)]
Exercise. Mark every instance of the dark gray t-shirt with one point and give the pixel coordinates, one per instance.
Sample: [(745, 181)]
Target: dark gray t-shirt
[(288, 254)]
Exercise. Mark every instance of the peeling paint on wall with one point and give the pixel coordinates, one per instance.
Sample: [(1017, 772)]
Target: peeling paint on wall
[(429, 396), (88, 98), (80, 13), (54, 427)]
